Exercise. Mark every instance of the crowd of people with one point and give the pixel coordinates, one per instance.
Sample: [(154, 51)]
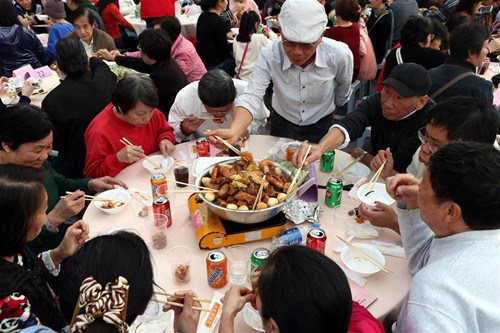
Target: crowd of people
[(434, 130)]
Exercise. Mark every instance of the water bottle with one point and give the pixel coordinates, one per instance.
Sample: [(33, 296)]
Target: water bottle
[(291, 236)]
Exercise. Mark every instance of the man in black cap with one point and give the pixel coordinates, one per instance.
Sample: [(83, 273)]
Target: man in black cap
[(395, 115)]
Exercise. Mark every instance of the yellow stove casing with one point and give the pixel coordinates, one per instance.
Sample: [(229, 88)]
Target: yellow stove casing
[(213, 233)]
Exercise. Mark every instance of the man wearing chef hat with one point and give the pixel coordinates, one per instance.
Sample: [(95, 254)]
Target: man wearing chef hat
[(311, 75)]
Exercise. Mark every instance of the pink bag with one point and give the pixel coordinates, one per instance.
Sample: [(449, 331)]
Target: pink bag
[(368, 67)]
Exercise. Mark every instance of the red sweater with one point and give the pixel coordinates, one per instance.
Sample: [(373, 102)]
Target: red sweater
[(157, 8), (350, 36), (102, 140), (111, 16)]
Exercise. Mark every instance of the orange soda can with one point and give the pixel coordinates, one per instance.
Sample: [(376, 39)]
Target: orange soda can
[(157, 180), (216, 269)]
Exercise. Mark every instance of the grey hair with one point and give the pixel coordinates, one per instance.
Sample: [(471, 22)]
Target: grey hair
[(133, 88), (216, 88)]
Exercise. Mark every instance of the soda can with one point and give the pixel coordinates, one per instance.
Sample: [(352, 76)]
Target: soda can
[(333, 194), (316, 239), (290, 150), (326, 162), (259, 257), (161, 205), (157, 180), (137, 13), (216, 269), (203, 147)]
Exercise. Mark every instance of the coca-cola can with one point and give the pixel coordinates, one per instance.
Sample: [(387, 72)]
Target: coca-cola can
[(203, 147), (161, 205), (316, 239)]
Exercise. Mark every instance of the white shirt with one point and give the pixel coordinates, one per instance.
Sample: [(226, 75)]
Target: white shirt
[(187, 102), (257, 42), (88, 47), (301, 95)]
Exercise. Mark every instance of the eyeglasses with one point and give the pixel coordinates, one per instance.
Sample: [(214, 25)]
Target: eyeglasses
[(292, 45), (422, 136)]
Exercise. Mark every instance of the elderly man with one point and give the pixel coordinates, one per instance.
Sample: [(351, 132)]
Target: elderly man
[(74, 5), (395, 115), (212, 97), (92, 38), (451, 235), (310, 76)]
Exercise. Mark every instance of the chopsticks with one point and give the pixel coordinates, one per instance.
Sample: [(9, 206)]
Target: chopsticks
[(374, 179), (197, 308), (228, 145), (189, 191), (203, 300), (259, 193), (91, 197), (197, 186), (294, 180), (348, 166), (128, 143), (365, 255), (292, 193)]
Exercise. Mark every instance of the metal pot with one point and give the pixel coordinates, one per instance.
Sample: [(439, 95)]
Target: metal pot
[(241, 216)]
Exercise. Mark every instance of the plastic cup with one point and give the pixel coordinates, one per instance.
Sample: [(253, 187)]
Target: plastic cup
[(238, 257), (343, 213), (179, 258), (157, 226), (181, 174)]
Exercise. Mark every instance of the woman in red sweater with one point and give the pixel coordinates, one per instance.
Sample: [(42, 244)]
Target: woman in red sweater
[(347, 30), (132, 113), (111, 16)]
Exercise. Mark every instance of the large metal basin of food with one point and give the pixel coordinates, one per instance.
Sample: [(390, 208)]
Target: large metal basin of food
[(241, 216)]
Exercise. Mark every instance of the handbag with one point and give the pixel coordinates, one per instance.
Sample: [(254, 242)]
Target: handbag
[(237, 76)]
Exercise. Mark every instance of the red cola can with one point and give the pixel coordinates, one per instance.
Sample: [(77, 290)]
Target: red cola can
[(217, 269), (161, 205), (316, 239), (203, 147)]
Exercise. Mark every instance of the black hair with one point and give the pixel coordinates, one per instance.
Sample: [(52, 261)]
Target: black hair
[(216, 88), (171, 26), (207, 4), (468, 38), (105, 258), (466, 6), (247, 26), (348, 10), (8, 17), (455, 21), (156, 44), (439, 30), (103, 4), (71, 57), (82, 11), (297, 276), (415, 30), (462, 116), (23, 123), (21, 198), (468, 174), (133, 88)]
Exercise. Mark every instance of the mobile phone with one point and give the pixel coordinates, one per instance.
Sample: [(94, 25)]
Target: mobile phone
[(485, 9)]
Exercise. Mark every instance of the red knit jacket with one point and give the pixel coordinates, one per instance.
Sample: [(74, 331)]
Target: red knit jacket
[(111, 16)]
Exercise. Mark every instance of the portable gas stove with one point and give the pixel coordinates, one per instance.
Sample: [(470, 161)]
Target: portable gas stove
[(213, 232)]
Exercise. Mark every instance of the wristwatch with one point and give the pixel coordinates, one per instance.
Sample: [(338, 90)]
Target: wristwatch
[(363, 154), (50, 227)]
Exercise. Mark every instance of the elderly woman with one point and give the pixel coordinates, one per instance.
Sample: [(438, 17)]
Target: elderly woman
[(213, 97), (26, 281), (26, 138), (132, 114)]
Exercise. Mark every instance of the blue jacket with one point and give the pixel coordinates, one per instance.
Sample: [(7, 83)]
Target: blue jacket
[(19, 47), (472, 85)]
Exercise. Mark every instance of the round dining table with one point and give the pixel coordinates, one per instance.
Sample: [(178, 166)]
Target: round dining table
[(390, 289), (188, 24)]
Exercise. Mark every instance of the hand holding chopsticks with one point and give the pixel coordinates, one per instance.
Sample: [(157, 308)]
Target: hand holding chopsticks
[(365, 255), (374, 179), (180, 297), (297, 173), (128, 143)]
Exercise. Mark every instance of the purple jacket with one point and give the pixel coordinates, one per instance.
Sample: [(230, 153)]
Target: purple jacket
[(19, 47)]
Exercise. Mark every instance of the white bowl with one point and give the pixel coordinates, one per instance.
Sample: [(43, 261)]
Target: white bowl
[(116, 195), (252, 318), (368, 196), (158, 159), (42, 17), (235, 30), (272, 22), (153, 319), (354, 173), (357, 263)]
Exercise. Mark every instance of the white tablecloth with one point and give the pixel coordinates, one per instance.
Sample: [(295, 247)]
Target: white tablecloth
[(188, 24)]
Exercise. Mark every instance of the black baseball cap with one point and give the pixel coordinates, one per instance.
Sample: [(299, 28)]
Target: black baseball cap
[(409, 80)]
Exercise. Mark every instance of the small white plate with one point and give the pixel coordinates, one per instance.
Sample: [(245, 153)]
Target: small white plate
[(368, 196), (166, 164), (252, 318), (117, 194), (355, 172), (153, 320)]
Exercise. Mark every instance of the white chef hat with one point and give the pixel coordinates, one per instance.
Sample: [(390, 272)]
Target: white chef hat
[(302, 21)]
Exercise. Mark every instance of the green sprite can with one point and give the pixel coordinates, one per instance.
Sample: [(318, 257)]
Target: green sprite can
[(137, 13), (326, 162), (259, 257), (333, 194)]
